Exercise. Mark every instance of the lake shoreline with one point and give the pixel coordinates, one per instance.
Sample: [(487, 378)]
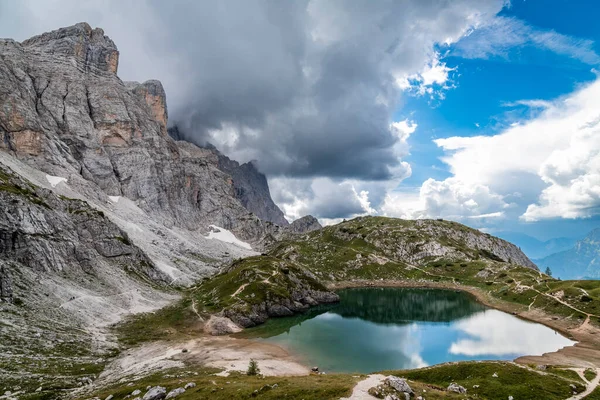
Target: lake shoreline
[(584, 353)]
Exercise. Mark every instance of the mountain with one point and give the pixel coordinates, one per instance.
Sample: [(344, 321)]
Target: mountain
[(64, 111), (295, 273), (535, 248), (102, 213), (582, 261)]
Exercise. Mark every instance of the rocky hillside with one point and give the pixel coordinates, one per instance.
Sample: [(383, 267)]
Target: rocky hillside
[(249, 184), (66, 271), (366, 249), (582, 261), (64, 110), (102, 213)]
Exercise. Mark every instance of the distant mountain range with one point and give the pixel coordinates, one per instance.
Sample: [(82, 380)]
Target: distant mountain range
[(582, 261), (535, 248)]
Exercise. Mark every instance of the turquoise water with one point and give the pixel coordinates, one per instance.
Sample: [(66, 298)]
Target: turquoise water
[(376, 329)]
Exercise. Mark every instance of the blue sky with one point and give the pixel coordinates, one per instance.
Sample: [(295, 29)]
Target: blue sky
[(486, 91)]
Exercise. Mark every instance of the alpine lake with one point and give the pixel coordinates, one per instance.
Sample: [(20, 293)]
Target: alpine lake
[(377, 329)]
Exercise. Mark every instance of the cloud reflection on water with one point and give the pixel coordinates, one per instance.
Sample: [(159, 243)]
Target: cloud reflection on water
[(495, 333)]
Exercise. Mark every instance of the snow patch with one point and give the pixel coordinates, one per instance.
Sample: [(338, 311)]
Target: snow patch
[(226, 236), (55, 180), (114, 199)]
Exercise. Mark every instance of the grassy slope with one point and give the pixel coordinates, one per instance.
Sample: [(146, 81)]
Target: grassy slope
[(347, 252), (364, 249), (517, 381)]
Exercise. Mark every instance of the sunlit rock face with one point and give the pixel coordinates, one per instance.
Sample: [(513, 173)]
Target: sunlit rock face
[(153, 94)]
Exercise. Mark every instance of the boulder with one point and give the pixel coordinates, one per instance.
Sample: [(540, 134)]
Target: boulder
[(155, 393), (398, 383), (456, 388), (217, 326), (174, 393)]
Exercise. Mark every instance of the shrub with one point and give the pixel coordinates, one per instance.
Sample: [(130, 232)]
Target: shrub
[(253, 369)]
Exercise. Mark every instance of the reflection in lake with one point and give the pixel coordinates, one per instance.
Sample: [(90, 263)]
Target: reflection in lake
[(376, 329)]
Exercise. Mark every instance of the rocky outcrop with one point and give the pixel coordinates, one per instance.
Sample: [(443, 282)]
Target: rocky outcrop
[(305, 224), (5, 284), (254, 289), (252, 189), (64, 111), (88, 47), (300, 300), (250, 185), (152, 93), (421, 241), (44, 233)]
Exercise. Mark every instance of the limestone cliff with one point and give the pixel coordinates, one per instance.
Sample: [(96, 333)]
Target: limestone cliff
[(250, 185), (64, 110)]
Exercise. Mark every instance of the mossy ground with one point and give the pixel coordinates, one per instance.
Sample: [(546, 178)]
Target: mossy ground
[(512, 380), (359, 250), (240, 386)]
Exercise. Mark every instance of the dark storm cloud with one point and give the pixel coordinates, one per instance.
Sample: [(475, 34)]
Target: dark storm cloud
[(308, 88)]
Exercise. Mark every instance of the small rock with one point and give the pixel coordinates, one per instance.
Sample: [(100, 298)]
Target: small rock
[(315, 369), (38, 389), (174, 393), (495, 375), (155, 393), (475, 386), (399, 384), (184, 350), (573, 386), (456, 388), (136, 392), (109, 397), (510, 398), (189, 385)]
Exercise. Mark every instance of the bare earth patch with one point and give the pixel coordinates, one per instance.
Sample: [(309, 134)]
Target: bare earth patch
[(223, 352)]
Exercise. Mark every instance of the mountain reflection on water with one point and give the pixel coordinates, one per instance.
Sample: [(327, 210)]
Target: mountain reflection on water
[(374, 329)]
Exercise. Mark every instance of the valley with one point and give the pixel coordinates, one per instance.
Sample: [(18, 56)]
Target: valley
[(131, 258)]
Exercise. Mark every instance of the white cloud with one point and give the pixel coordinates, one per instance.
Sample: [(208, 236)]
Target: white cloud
[(333, 200), (450, 198), (498, 36), (433, 79), (534, 103), (324, 198), (545, 167)]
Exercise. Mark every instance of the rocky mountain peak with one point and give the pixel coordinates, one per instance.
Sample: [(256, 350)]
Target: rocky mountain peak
[(249, 184), (64, 111), (91, 49), (307, 223)]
